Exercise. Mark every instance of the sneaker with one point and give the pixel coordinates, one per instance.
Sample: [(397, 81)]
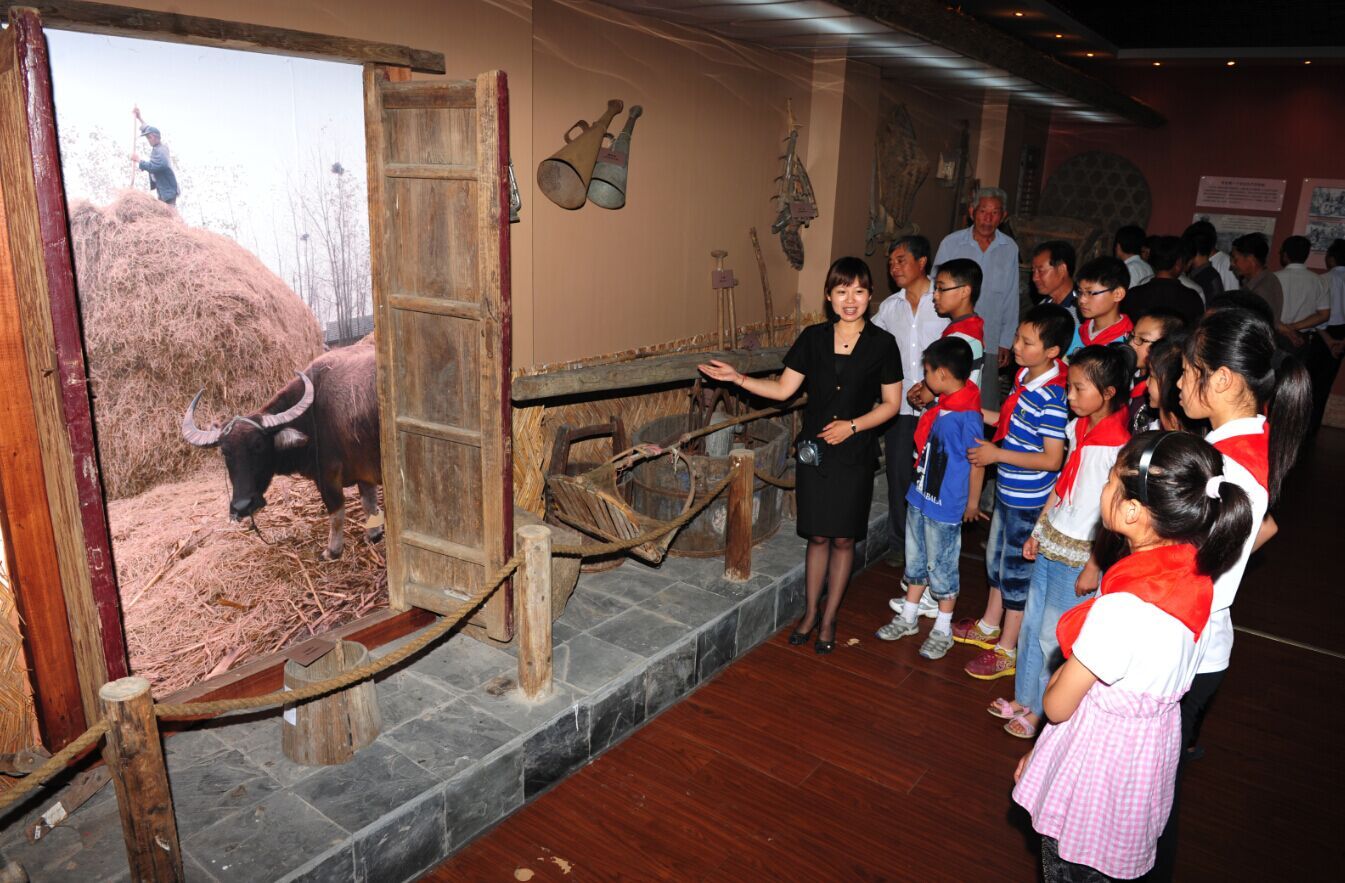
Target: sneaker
[(898, 628), (937, 645), (928, 606), (969, 631), (992, 664)]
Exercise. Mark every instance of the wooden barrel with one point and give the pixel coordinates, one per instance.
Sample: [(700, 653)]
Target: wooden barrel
[(659, 491), (330, 729)]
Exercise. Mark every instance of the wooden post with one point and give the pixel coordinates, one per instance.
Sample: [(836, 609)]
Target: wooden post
[(534, 611), (135, 756), (738, 527)]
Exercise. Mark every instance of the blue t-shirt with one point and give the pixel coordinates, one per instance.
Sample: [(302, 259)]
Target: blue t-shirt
[(942, 478), (1041, 413)]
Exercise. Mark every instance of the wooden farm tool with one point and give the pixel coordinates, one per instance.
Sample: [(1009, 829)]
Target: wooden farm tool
[(765, 288), (723, 283)]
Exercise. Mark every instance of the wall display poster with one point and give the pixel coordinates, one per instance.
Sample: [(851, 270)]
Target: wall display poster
[(1230, 227), (1321, 215), (1251, 194)]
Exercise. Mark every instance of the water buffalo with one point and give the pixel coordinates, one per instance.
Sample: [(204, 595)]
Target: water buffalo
[(322, 425)]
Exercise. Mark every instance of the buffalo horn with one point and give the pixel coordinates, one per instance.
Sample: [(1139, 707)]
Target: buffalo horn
[(271, 421), (202, 438)]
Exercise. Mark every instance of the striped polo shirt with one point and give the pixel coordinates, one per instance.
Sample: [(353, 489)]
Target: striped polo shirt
[(1041, 413)]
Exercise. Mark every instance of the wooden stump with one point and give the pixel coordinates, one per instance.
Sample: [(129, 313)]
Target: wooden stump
[(532, 594), (330, 729), (134, 754), (738, 529)]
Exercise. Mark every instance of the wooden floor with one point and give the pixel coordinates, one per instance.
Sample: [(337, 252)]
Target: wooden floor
[(872, 764)]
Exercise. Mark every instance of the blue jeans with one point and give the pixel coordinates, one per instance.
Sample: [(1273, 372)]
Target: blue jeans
[(932, 551), (1005, 566), (1051, 594)]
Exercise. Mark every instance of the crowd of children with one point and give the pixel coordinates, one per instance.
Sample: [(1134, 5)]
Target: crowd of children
[(1135, 472)]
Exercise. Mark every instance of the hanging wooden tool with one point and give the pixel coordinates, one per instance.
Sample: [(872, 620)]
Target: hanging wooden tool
[(765, 288), (563, 177), (607, 188), (723, 283), (797, 204)]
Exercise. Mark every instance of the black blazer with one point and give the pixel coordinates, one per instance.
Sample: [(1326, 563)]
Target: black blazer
[(846, 395)]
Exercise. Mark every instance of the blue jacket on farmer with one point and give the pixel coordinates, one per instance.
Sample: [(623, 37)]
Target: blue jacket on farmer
[(162, 179)]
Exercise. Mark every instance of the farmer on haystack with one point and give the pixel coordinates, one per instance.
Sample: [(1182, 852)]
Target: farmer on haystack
[(162, 180)]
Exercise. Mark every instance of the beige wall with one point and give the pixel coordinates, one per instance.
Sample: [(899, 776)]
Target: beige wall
[(703, 161)]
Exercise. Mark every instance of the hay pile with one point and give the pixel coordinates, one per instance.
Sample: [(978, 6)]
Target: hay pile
[(201, 595), (168, 309)]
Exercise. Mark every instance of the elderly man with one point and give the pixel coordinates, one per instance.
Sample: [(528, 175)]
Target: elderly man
[(162, 179), (908, 315), (997, 255)]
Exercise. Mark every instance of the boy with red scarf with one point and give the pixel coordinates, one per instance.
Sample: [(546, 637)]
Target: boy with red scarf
[(1102, 286), (957, 287), (944, 494)]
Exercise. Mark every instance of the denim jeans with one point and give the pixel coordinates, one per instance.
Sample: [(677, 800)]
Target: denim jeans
[(932, 552), (1005, 565), (1051, 594)]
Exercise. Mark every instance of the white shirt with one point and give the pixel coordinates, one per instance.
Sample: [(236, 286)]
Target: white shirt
[(1216, 642), (1186, 280), (1305, 292), (1140, 271), (1224, 264), (1078, 516), (1135, 645), (1336, 281), (914, 331)]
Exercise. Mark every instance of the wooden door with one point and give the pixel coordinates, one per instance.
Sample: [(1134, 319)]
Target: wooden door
[(65, 588), (439, 213)]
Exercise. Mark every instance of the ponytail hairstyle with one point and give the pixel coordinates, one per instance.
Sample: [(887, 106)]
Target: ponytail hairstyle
[(1179, 479), (1240, 341), (1108, 366)]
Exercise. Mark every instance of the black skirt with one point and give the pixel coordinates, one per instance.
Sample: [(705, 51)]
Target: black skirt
[(834, 499)]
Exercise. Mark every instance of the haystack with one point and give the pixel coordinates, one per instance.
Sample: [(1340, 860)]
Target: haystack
[(201, 595), (169, 309)]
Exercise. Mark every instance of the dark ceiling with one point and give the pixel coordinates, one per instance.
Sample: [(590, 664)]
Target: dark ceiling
[(1146, 30)]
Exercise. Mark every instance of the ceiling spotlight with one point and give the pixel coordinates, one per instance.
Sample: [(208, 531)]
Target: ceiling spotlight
[(1309, 61), (1090, 54), (1230, 63), (1158, 64), (1060, 36), (1018, 15)]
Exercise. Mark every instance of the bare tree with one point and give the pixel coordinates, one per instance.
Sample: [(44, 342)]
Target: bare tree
[(331, 229)]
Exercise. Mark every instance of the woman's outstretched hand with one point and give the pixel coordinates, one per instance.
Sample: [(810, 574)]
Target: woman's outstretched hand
[(717, 370)]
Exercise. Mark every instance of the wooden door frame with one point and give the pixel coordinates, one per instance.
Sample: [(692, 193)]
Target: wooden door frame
[(57, 681)]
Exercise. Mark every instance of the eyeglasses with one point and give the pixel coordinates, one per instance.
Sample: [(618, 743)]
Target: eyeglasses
[(950, 287), (1099, 292), (1145, 342)]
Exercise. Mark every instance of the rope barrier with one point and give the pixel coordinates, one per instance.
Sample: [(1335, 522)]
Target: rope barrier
[(61, 759), (776, 482)]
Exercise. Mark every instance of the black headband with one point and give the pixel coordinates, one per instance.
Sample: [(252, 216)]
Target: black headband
[(1146, 458)]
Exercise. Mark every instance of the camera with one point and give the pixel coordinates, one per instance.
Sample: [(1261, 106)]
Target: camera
[(810, 453)]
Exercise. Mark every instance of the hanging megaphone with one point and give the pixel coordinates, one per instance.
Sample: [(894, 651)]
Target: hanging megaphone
[(563, 177), (608, 187)]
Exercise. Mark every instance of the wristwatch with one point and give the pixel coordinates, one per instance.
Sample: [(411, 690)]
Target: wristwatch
[(854, 430)]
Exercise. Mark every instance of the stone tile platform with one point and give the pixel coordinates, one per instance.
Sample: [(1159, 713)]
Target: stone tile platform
[(460, 748)]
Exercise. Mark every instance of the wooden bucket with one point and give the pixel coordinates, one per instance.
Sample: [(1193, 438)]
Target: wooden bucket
[(329, 729)]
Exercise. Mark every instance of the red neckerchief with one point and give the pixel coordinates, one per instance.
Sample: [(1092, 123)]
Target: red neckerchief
[(1251, 452), (1140, 389), (1114, 331), (1061, 378), (968, 398), (1112, 431), (1166, 577), (972, 326)]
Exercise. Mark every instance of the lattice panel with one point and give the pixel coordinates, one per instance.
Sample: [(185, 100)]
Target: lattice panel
[(1104, 188)]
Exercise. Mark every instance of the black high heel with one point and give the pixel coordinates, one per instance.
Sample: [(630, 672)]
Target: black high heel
[(822, 647), (798, 638)]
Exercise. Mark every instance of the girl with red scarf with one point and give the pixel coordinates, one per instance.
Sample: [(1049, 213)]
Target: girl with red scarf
[(1061, 544), (1099, 784)]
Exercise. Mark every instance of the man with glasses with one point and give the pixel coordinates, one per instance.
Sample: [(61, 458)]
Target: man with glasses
[(1053, 276)]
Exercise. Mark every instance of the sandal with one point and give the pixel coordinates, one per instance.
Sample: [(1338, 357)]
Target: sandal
[(1004, 709), (1028, 731)]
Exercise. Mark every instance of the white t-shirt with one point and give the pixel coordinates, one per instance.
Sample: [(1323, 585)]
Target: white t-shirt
[(1224, 265), (1078, 517), (1136, 646), (1140, 271), (1216, 642), (914, 331), (1305, 293)]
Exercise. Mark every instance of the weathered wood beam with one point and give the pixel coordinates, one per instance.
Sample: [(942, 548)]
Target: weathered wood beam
[(126, 21), (939, 23), (647, 371)]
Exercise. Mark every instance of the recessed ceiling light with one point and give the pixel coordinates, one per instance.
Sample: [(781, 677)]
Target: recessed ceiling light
[(1309, 61), (1018, 15), (1060, 36), (1230, 63), (1091, 54), (1158, 64)]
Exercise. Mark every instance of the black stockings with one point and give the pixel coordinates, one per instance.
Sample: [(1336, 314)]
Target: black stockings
[(827, 565)]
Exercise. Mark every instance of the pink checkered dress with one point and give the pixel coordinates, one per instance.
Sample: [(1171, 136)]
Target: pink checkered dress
[(1101, 782)]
